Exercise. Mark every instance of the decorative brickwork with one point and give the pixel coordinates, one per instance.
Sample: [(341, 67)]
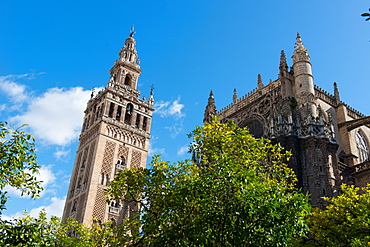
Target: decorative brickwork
[(122, 152), (108, 157), (135, 159), (100, 205)]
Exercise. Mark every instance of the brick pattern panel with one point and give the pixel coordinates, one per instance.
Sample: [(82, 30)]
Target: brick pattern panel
[(108, 157), (122, 152), (100, 204), (136, 159)]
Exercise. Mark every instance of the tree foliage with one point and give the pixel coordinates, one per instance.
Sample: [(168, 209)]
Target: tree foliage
[(27, 231), (239, 193), (366, 15), (345, 222), (18, 165)]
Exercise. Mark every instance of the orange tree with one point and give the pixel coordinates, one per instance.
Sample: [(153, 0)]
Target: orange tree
[(18, 165), (345, 222), (239, 192)]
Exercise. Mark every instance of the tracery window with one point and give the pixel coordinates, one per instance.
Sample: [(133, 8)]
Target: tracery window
[(362, 146)]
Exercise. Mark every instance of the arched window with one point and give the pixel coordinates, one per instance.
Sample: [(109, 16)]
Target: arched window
[(362, 146), (128, 114), (128, 80)]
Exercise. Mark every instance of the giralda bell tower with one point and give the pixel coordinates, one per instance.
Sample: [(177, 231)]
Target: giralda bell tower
[(115, 136)]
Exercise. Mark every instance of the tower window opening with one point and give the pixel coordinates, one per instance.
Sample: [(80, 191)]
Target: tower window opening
[(107, 179), (128, 80), (97, 113), (111, 109), (102, 178), (320, 168), (118, 114), (137, 123), (145, 123), (88, 122), (128, 114)]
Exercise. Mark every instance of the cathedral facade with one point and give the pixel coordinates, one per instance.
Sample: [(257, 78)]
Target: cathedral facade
[(115, 136), (329, 140)]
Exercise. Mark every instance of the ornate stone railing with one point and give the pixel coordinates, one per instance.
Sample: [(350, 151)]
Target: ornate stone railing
[(362, 166)]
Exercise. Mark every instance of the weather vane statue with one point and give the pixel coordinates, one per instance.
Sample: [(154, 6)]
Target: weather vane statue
[(152, 89), (132, 32)]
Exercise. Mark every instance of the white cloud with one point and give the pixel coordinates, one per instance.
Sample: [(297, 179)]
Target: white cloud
[(153, 151), (167, 108), (54, 209), (175, 129), (2, 107), (182, 150), (59, 154), (56, 116), (45, 175)]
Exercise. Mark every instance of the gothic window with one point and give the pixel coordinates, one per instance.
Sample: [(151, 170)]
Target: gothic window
[(74, 209), (362, 146), (255, 128), (118, 114), (111, 109), (128, 80), (137, 123), (128, 114)]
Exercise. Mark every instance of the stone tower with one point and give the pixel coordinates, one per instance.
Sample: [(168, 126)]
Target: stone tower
[(115, 136), (329, 140)]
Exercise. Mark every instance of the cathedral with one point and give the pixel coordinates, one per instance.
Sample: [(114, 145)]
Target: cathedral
[(115, 136), (329, 140)]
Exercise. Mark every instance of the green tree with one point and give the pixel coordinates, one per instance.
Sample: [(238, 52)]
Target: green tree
[(27, 231), (238, 193), (366, 15), (345, 222), (18, 165)]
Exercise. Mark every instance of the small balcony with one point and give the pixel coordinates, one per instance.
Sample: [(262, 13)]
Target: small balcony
[(113, 210)]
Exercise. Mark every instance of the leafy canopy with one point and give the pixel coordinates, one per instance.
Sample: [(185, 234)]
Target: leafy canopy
[(345, 222), (238, 193), (18, 165)]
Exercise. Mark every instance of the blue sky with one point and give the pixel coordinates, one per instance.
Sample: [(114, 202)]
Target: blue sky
[(53, 53)]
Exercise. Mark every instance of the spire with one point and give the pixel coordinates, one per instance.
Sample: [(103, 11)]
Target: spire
[(210, 109), (128, 52), (300, 52), (283, 67), (259, 81), (336, 93), (235, 97)]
